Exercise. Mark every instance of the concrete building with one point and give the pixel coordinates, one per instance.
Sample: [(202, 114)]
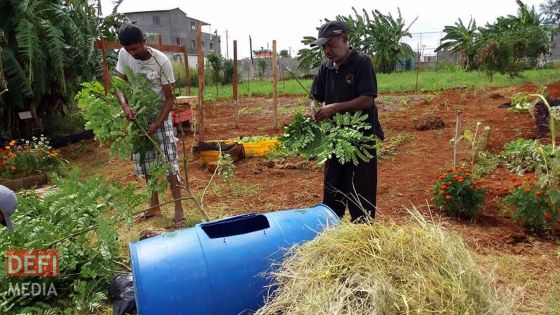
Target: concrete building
[(176, 28)]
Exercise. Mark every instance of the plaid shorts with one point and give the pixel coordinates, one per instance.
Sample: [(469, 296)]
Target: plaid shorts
[(167, 139)]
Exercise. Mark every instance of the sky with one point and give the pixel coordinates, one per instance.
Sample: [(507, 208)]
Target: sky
[(287, 21)]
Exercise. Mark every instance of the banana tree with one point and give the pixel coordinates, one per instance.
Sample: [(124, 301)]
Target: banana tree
[(379, 36), (46, 52), (461, 39)]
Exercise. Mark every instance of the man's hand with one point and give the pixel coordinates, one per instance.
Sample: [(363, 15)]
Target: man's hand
[(129, 113), (325, 112), (310, 113), (152, 128)]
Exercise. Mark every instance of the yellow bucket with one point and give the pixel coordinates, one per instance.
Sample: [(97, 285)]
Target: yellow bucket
[(260, 148)]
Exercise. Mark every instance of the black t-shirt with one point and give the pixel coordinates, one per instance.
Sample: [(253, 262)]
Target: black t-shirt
[(354, 78)]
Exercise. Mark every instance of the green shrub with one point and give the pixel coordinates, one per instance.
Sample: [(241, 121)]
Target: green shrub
[(456, 193), (531, 207), (80, 220)]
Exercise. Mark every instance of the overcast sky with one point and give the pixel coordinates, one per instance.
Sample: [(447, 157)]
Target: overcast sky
[(288, 21)]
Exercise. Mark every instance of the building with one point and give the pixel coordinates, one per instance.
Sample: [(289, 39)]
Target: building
[(176, 28)]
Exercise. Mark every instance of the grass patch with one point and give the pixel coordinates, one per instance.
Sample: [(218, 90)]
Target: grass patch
[(395, 82), (236, 189)]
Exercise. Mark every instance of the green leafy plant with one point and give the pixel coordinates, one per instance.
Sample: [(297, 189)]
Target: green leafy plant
[(456, 193), (534, 207), (105, 117), (522, 155), (520, 103), (253, 139), (226, 168), (342, 137), (79, 219), (375, 34), (24, 158)]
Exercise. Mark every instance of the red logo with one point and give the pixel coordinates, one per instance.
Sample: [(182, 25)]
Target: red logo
[(32, 263)]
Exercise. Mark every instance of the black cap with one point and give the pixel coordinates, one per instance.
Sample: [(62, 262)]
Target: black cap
[(327, 31)]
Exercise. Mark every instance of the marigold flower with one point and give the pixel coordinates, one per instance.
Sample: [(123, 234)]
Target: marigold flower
[(538, 193), (548, 216)]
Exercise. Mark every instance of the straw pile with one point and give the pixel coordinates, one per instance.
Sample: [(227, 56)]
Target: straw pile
[(384, 269)]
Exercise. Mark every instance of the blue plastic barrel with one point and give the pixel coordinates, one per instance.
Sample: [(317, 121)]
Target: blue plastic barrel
[(217, 267)]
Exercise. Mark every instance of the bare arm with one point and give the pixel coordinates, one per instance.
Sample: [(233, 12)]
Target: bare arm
[(359, 103), (128, 111), (165, 108)]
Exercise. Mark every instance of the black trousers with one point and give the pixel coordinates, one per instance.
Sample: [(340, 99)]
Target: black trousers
[(352, 186)]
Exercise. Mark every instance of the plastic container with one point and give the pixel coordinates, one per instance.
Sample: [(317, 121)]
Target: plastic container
[(217, 267), (260, 148)]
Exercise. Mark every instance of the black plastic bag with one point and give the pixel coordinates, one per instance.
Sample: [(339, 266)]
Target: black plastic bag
[(121, 294)]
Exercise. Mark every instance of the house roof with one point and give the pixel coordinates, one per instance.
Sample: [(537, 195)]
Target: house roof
[(168, 10)]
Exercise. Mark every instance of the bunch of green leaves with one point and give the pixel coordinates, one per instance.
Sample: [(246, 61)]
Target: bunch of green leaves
[(342, 137), (522, 155), (80, 220), (536, 208), (104, 115), (253, 139), (520, 103), (458, 194), (145, 103)]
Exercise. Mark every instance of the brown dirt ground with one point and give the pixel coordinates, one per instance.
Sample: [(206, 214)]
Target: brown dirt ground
[(519, 260)]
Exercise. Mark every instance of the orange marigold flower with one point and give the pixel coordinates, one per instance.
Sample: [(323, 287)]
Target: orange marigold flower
[(7, 147), (538, 193), (448, 197), (13, 142), (527, 190)]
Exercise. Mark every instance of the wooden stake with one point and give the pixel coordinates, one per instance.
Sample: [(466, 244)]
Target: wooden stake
[(105, 66), (235, 84), (274, 85), (456, 147), (159, 44), (200, 128), (187, 71)]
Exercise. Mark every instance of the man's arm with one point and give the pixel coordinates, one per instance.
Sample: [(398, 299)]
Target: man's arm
[(165, 109), (128, 111), (359, 103)]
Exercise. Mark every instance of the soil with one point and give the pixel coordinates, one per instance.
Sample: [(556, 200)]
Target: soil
[(404, 180)]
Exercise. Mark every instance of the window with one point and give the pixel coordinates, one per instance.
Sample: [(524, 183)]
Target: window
[(155, 20), (178, 41), (211, 46), (202, 44), (193, 26), (193, 44)]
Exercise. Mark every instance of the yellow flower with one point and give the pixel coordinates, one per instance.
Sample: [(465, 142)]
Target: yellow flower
[(8, 147), (13, 142)]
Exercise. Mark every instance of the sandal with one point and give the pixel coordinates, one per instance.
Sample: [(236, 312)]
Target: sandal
[(176, 224), (144, 217)]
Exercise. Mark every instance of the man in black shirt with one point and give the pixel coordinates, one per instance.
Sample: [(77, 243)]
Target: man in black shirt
[(346, 82)]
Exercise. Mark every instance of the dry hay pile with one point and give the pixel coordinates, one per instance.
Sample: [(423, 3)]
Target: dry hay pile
[(384, 269)]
